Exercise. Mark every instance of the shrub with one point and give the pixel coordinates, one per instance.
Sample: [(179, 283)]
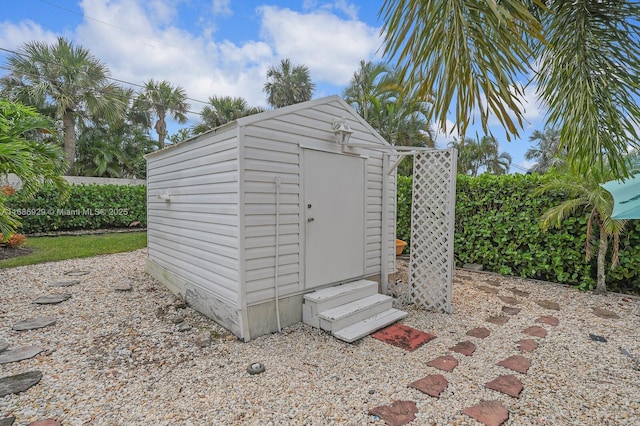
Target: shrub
[(86, 207), (14, 240), (496, 225)]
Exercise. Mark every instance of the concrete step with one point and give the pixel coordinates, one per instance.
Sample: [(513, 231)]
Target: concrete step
[(367, 326), (344, 315), (331, 297)]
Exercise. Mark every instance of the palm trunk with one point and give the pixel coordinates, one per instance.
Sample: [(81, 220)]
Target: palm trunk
[(69, 129), (161, 130), (601, 286)]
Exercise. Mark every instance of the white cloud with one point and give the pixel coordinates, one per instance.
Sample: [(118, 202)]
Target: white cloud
[(222, 7), (444, 136), (14, 36), (331, 47)]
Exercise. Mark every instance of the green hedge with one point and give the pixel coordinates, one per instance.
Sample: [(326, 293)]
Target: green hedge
[(87, 207), (497, 226)]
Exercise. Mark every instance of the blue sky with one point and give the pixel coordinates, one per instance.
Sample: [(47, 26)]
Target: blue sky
[(221, 47)]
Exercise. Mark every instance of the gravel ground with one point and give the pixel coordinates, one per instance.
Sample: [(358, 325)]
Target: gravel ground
[(118, 357)]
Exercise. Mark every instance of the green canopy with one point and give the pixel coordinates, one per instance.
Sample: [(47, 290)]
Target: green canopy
[(626, 197)]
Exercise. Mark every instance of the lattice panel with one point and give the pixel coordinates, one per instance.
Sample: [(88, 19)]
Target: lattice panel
[(432, 227)]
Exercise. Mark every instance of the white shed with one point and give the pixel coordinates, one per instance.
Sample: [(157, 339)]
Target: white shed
[(245, 219)]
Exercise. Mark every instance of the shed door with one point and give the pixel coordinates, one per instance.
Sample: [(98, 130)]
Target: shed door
[(334, 187)]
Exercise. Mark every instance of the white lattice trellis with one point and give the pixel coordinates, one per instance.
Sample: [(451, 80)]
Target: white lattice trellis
[(432, 226)]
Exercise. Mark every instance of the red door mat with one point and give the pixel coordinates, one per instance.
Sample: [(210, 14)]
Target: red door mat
[(403, 336)]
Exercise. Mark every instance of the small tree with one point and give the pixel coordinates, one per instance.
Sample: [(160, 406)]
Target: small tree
[(25, 153), (584, 194)]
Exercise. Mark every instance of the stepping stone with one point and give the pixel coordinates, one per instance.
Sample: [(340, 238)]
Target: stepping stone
[(480, 332), (535, 331), (403, 336), (19, 354), (509, 300), (516, 363), (527, 345), (519, 292), (19, 383), (444, 363), (493, 282), (499, 320), (465, 348), (490, 290), (597, 338), (397, 414), (76, 273), (433, 385), (4, 344), (64, 283), (489, 413), (507, 384), (510, 310), (603, 313), (473, 267), (34, 323), (52, 299), (7, 421), (548, 304), (123, 286), (548, 320)]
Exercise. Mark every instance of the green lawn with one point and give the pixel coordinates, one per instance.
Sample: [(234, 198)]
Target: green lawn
[(48, 249)]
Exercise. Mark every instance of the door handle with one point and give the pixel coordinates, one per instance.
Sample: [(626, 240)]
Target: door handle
[(311, 219)]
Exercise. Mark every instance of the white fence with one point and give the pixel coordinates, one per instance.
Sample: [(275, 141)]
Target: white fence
[(14, 181)]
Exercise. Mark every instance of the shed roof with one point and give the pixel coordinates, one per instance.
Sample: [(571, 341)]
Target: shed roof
[(267, 115)]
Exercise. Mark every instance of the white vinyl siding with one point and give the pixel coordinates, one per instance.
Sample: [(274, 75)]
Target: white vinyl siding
[(195, 235), (269, 153), (272, 148)]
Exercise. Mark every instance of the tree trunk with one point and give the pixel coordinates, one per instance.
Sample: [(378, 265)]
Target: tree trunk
[(161, 129), (69, 129), (601, 286)]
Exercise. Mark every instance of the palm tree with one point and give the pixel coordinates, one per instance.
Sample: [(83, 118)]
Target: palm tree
[(65, 80), (26, 152), (495, 162), (288, 84), (482, 154), (584, 194), (222, 110), (547, 150), (583, 55), (160, 98), (369, 83)]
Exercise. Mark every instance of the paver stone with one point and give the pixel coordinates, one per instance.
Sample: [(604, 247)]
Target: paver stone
[(489, 413), (527, 345), (549, 304), (432, 385), (499, 320), (490, 290), (510, 310), (397, 414), (480, 332), (507, 384), (548, 320), (465, 348), (535, 331), (19, 382), (509, 300), (516, 363), (603, 313), (19, 354), (444, 363), (34, 323), (52, 299)]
